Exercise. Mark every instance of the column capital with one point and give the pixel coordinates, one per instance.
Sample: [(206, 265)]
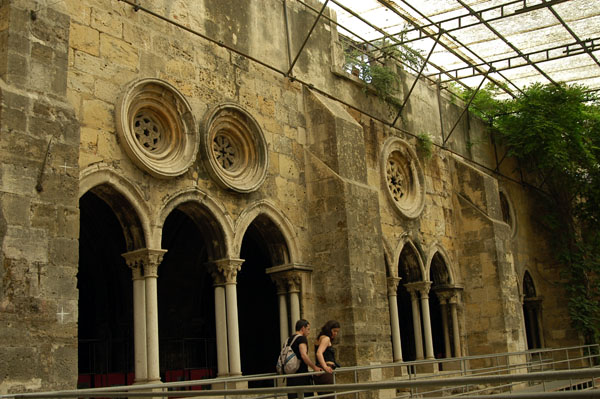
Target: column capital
[(392, 285), (421, 287), (224, 271), (144, 262), (448, 293)]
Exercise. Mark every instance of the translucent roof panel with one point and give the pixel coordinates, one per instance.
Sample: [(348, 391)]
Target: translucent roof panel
[(514, 42)]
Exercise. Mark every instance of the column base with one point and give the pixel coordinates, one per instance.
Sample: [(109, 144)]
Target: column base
[(427, 368)]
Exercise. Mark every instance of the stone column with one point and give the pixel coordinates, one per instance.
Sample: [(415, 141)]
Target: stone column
[(538, 319), (455, 331), (229, 268), (294, 283), (283, 313), (392, 287), (445, 327), (154, 258), (139, 318), (220, 321), (148, 260), (416, 313), (424, 291)]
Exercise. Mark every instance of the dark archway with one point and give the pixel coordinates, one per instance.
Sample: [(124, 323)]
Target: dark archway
[(186, 307), (410, 272), (440, 278), (263, 246), (532, 313), (105, 320)]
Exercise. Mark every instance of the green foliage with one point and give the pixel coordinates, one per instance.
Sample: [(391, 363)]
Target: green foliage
[(424, 145), (555, 133), (376, 69)]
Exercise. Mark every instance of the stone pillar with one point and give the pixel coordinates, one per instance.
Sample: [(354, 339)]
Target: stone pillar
[(424, 291), (139, 318), (284, 332), (445, 327), (220, 322), (416, 313), (294, 283), (229, 269), (394, 318), (538, 318), (455, 331), (147, 260), (150, 275)]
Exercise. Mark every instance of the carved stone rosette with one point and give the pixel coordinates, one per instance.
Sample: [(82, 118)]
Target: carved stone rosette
[(156, 128), (234, 148), (403, 177)]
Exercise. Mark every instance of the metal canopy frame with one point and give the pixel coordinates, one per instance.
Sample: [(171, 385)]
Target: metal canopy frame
[(459, 28)]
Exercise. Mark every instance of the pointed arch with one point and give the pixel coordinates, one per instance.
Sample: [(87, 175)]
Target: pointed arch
[(207, 214), (282, 241), (409, 261), (529, 290), (124, 198), (438, 264)]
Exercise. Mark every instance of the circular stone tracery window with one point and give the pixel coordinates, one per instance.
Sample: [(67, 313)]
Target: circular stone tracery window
[(156, 128), (403, 177), (235, 150)]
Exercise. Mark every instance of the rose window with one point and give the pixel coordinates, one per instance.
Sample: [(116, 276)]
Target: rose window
[(156, 128), (147, 132), (403, 177), (235, 150)]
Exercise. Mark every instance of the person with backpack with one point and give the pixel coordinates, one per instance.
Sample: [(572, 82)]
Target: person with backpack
[(300, 348)]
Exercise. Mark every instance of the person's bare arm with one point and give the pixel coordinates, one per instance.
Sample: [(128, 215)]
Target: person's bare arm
[(304, 353), (323, 344)]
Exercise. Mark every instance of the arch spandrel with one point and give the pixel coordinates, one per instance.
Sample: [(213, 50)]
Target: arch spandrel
[(124, 198), (266, 210), (207, 214)]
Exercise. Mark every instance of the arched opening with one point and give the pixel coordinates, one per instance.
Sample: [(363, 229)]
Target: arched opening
[(532, 314), (186, 307), (440, 315), (410, 272), (263, 246), (105, 320)]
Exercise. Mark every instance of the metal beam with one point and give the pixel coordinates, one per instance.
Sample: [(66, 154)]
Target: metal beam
[(417, 78), (505, 40), (548, 54), (458, 24), (466, 108), (456, 53), (307, 37)]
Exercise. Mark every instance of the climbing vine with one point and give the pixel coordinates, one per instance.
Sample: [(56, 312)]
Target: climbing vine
[(554, 132)]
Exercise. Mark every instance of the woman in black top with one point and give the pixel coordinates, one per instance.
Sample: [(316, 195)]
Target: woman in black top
[(325, 353)]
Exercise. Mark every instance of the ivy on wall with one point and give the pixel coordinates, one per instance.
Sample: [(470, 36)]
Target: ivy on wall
[(554, 132)]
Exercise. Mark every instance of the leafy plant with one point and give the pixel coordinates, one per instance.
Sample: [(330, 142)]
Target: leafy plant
[(424, 145), (555, 133)]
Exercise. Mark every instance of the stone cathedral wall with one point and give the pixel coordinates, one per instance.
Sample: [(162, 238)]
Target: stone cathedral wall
[(73, 72)]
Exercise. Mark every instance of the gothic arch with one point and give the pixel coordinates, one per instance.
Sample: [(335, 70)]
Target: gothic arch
[(415, 270), (124, 198), (275, 225), (438, 256), (207, 214)]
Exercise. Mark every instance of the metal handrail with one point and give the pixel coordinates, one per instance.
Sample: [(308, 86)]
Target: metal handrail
[(500, 377)]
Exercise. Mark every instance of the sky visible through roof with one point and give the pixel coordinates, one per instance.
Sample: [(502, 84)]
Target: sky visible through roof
[(525, 41)]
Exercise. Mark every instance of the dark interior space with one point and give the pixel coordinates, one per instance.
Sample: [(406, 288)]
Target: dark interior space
[(257, 307), (186, 306), (105, 319)]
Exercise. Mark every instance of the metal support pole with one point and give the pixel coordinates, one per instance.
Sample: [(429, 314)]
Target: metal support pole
[(467, 107), (417, 77), (307, 37)]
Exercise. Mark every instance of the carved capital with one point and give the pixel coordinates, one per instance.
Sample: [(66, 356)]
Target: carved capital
[(420, 287), (294, 282), (224, 271), (392, 285), (144, 262)]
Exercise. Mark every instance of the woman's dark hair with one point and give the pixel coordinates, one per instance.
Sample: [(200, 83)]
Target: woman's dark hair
[(326, 329)]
